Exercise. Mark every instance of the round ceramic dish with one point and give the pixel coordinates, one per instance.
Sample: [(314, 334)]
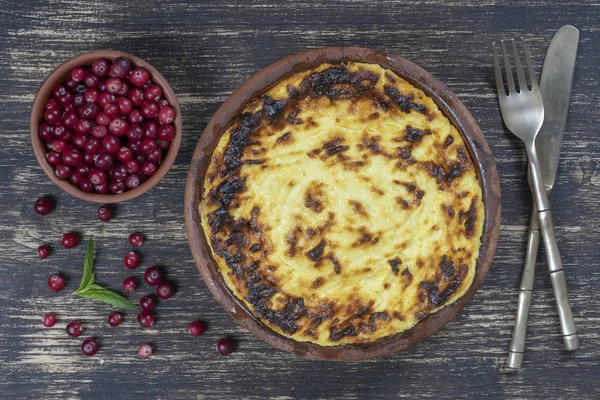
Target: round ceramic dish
[(454, 110), (37, 112)]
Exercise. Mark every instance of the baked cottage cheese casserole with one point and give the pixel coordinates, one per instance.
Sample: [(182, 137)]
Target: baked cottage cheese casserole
[(341, 206)]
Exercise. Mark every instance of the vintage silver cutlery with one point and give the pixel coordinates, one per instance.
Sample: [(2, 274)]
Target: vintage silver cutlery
[(523, 114)]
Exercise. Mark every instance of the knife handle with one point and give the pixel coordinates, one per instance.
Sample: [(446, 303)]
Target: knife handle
[(557, 273), (517, 343)]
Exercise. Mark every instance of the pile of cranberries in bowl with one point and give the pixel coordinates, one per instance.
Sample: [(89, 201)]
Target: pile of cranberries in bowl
[(107, 127)]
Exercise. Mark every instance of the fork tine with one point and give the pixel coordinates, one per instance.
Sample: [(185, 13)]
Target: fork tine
[(508, 71), (519, 67), (532, 78), (497, 68)]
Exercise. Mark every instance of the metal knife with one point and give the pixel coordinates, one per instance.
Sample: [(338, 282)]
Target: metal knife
[(555, 84)]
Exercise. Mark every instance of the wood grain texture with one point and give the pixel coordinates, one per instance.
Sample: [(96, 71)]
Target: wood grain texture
[(206, 50)]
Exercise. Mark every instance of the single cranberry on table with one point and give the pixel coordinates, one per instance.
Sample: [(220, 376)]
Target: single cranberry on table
[(196, 328), (131, 260), (225, 346), (74, 329), (105, 213), (165, 290), (145, 351), (129, 284), (114, 319), (43, 205), (49, 320), (146, 319), (153, 276), (89, 347), (136, 239), (43, 252), (147, 303), (69, 240), (56, 283)]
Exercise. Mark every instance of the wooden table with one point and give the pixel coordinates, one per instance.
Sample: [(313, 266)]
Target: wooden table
[(206, 50)]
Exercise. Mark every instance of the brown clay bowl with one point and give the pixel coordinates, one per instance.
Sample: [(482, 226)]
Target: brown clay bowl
[(263, 80), (37, 115)]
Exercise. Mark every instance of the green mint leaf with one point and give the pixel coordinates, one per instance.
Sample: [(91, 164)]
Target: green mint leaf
[(107, 296), (88, 267)]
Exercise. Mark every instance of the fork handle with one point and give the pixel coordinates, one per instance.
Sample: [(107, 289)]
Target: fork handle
[(557, 273), (517, 343)]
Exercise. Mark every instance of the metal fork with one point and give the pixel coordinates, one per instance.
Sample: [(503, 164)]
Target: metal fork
[(523, 114)]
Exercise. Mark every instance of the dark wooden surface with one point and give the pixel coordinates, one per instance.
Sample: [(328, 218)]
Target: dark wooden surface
[(207, 49)]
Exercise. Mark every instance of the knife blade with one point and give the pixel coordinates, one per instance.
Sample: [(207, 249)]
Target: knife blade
[(555, 85)]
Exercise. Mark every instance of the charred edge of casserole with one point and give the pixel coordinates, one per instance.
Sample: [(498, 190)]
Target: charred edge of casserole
[(231, 238), (448, 280)]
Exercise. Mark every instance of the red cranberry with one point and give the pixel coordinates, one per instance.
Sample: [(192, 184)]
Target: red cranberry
[(113, 85), (102, 85), (70, 119), (100, 67), (92, 144), (116, 187), (153, 276), (78, 99), (43, 252), (77, 74), (148, 168), (196, 328), (118, 127), (105, 99), (60, 132), (74, 329), (91, 95), (135, 133), (112, 110), (136, 239), (154, 156), (162, 145), (56, 283), (52, 116), (114, 319), (88, 157), (51, 103), (69, 240), (145, 351), (46, 131), (135, 147), (89, 347), (133, 181), (124, 89), (111, 144), (150, 129), (53, 157), (153, 92), (119, 173), (124, 105), (79, 140), (71, 84), (76, 178), (147, 303), (89, 111), (149, 109), (82, 168), (148, 145), (83, 126), (97, 177), (71, 156), (166, 115), (63, 171), (43, 205), (105, 213), (164, 290), (91, 81), (129, 284), (225, 346), (102, 188), (166, 132), (65, 99), (102, 119), (131, 260), (120, 67), (59, 91), (139, 77), (135, 117), (145, 319), (99, 131), (136, 96), (125, 154), (49, 320), (162, 103), (86, 185)]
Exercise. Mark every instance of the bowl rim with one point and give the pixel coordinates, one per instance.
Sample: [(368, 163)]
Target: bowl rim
[(261, 81), (56, 77)]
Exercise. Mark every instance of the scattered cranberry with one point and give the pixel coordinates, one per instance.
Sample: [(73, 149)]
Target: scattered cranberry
[(147, 303), (49, 320), (74, 329), (43, 252), (164, 290), (145, 351), (129, 284), (105, 213), (136, 239), (43, 205), (196, 328), (69, 240), (56, 283), (153, 276), (225, 346), (89, 347), (114, 319), (145, 319), (131, 260)]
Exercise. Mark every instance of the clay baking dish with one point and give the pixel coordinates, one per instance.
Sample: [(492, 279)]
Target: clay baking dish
[(263, 80), (37, 115)]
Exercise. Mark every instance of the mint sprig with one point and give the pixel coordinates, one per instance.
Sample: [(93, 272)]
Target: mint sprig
[(88, 288)]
